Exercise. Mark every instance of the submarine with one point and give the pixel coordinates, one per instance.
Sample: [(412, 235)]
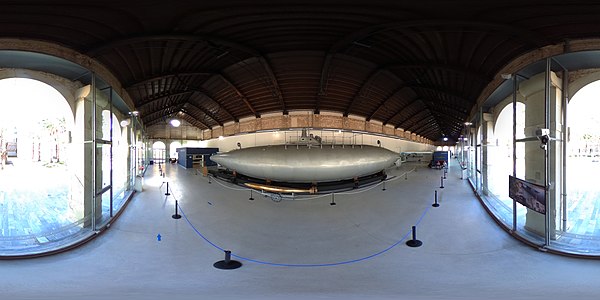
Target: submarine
[(307, 163)]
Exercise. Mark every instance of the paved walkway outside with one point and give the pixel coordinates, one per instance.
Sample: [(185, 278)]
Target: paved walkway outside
[(35, 212), (41, 207)]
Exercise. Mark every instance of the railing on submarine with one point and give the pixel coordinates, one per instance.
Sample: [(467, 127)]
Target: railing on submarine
[(318, 141)]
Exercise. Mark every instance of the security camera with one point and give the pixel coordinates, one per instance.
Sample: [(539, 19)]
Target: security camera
[(542, 131), (543, 134)]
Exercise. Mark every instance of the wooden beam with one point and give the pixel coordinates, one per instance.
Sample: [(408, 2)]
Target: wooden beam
[(382, 103), (155, 97), (205, 112), (165, 76), (273, 81), (238, 93), (363, 88), (101, 48)]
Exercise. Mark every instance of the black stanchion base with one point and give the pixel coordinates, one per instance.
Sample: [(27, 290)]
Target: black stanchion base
[(250, 198), (332, 203), (441, 187), (435, 205), (176, 216), (414, 243), (224, 265)]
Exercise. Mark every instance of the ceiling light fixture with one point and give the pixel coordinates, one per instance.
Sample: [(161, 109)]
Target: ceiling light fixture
[(175, 122)]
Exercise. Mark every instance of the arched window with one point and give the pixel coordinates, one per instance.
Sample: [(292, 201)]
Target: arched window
[(583, 162), (158, 151), (37, 166), (500, 162)]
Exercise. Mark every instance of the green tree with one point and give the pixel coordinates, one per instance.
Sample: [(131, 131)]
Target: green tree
[(54, 128)]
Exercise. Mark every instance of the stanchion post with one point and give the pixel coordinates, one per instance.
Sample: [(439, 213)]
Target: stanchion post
[(442, 181), (332, 199), (435, 201), (167, 193), (414, 242), (383, 189), (176, 215), (227, 263), (251, 198)]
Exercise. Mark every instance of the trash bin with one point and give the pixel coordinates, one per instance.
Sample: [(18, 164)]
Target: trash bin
[(139, 184)]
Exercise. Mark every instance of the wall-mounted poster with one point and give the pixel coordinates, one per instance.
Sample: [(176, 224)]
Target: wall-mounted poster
[(531, 195)]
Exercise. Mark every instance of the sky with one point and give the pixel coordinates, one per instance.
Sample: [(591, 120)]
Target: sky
[(581, 111), (24, 102)]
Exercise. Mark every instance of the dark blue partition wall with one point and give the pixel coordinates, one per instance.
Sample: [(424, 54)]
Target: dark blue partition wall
[(188, 156)]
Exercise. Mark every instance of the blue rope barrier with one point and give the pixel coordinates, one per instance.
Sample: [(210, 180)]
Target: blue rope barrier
[(303, 265), (197, 231)]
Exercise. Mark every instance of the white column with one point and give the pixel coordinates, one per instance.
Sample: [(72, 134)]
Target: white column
[(533, 92), (82, 139), (487, 146)]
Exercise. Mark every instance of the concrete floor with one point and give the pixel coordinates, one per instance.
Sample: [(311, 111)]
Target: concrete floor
[(465, 255)]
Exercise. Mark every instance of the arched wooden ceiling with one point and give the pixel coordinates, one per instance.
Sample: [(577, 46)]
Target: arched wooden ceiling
[(417, 65)]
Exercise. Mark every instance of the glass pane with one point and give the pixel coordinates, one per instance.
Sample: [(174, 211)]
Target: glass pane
[(579, 221), (106, 217), (103, 116), (121, 175), (103, 166), (471, 158), (500, 160), (41, 182), (158, 152)]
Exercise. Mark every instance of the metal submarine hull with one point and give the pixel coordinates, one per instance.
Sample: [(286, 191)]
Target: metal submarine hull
[(302, 163)]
